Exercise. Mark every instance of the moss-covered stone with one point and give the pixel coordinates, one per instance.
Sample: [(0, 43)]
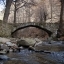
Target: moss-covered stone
[(5, 30)]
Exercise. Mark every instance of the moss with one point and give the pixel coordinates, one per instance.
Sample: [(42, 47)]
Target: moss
[(5, 30)]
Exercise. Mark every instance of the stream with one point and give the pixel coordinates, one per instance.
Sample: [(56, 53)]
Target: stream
[(26, 56)]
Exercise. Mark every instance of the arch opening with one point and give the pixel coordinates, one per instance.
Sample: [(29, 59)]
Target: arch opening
[(31, 31)]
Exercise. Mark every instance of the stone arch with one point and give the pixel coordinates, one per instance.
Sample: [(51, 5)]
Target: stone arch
[(46, 30)]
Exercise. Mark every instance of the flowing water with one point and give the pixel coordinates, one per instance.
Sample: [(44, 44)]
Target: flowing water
[(26, 56)]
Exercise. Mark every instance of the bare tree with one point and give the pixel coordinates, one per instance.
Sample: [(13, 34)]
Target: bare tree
[(61, 15), (15, 12), (7, 10), (51, 3), (28, 6), (41, 14), (61, 22)]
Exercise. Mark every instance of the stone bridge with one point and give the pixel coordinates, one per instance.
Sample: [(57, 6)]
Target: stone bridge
[(48, 27)]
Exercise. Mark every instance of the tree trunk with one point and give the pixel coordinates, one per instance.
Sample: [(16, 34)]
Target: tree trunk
[(15, 13), (7, 10), (61, 15), (61, 23)]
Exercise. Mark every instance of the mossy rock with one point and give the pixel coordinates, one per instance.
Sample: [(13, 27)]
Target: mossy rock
[(26, 42), (5, 30)]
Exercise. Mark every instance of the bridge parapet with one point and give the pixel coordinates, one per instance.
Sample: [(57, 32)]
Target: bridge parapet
[(49, 26), (52, 27), (18, 25)]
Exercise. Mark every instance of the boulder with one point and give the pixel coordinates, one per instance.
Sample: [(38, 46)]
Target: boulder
[(28, 41), (4, 49), (4, 46), (23, 43), (3, 40), (9, 44), (2, 52)]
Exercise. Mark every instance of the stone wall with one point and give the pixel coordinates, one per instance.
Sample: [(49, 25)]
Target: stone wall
[(49, 26), (5, 30)]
